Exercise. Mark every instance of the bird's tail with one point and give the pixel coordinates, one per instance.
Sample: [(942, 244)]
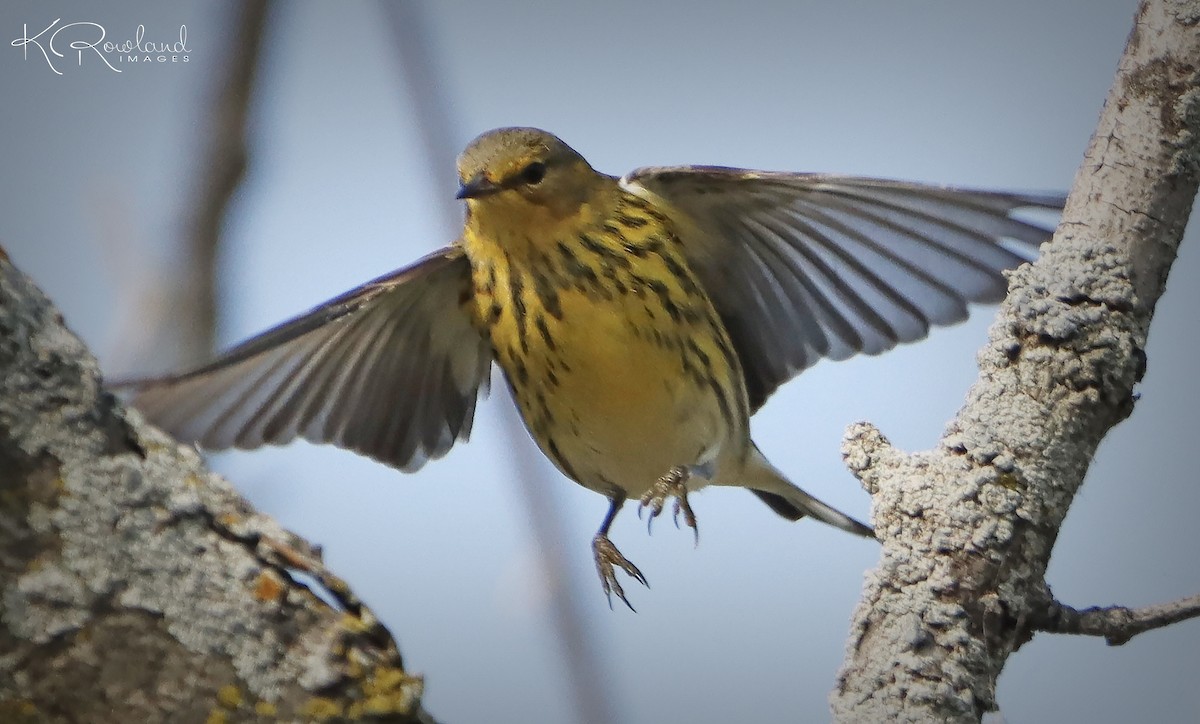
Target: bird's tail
[(764, 480)]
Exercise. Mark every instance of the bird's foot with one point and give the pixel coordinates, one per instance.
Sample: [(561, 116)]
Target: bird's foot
[(673, 484), (608, 559)]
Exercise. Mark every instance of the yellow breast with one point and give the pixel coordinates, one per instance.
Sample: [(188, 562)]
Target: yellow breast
[(620, 366)]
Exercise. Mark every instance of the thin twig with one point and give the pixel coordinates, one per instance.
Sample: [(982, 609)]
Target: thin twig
[(1117, 624)]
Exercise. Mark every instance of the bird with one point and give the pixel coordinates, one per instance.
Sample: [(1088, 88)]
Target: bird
[(638, 321)]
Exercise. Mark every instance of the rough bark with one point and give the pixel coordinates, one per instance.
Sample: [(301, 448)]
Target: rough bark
[(135, 586), (967, 529)]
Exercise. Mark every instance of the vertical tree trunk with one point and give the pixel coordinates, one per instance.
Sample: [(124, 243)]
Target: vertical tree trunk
[(967, 529)]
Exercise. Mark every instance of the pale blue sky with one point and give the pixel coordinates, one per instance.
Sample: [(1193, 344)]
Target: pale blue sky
[(749, 626)]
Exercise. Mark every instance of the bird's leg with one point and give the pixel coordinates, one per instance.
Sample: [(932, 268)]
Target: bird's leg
[(673, 484), (607, 556)]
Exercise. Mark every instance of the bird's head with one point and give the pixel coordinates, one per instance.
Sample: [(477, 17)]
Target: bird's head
[(524, 172)]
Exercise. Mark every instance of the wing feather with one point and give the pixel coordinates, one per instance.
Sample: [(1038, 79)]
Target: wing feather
[(391, 369), (806, 266)]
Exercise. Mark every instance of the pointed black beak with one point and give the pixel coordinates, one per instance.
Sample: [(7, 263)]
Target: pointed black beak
[(476, 187)]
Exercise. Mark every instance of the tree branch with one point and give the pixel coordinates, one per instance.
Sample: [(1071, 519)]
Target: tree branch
[(967, 529), (137, 586), (1117, 624)]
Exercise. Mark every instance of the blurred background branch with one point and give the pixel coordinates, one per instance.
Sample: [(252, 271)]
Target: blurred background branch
[(224, 164), (427, 95)]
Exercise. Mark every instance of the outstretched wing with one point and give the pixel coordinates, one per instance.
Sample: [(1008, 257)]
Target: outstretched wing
[(391, 369), (805, 266)]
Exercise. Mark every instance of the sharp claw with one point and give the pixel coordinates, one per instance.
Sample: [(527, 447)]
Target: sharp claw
[(628, 604), (608, 558), (620, 594), (689, 518), (671, 485)]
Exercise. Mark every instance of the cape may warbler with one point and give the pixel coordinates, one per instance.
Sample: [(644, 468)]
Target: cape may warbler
[(639, 321)]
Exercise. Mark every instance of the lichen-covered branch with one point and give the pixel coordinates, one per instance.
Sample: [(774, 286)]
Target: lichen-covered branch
[(137, 586), (1117, 624), (967, 529)]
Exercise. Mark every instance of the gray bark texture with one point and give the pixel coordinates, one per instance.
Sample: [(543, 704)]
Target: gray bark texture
[(135, 586), (967, 528)]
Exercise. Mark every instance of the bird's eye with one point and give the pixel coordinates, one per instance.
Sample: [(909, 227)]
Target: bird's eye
[(534, 173)]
